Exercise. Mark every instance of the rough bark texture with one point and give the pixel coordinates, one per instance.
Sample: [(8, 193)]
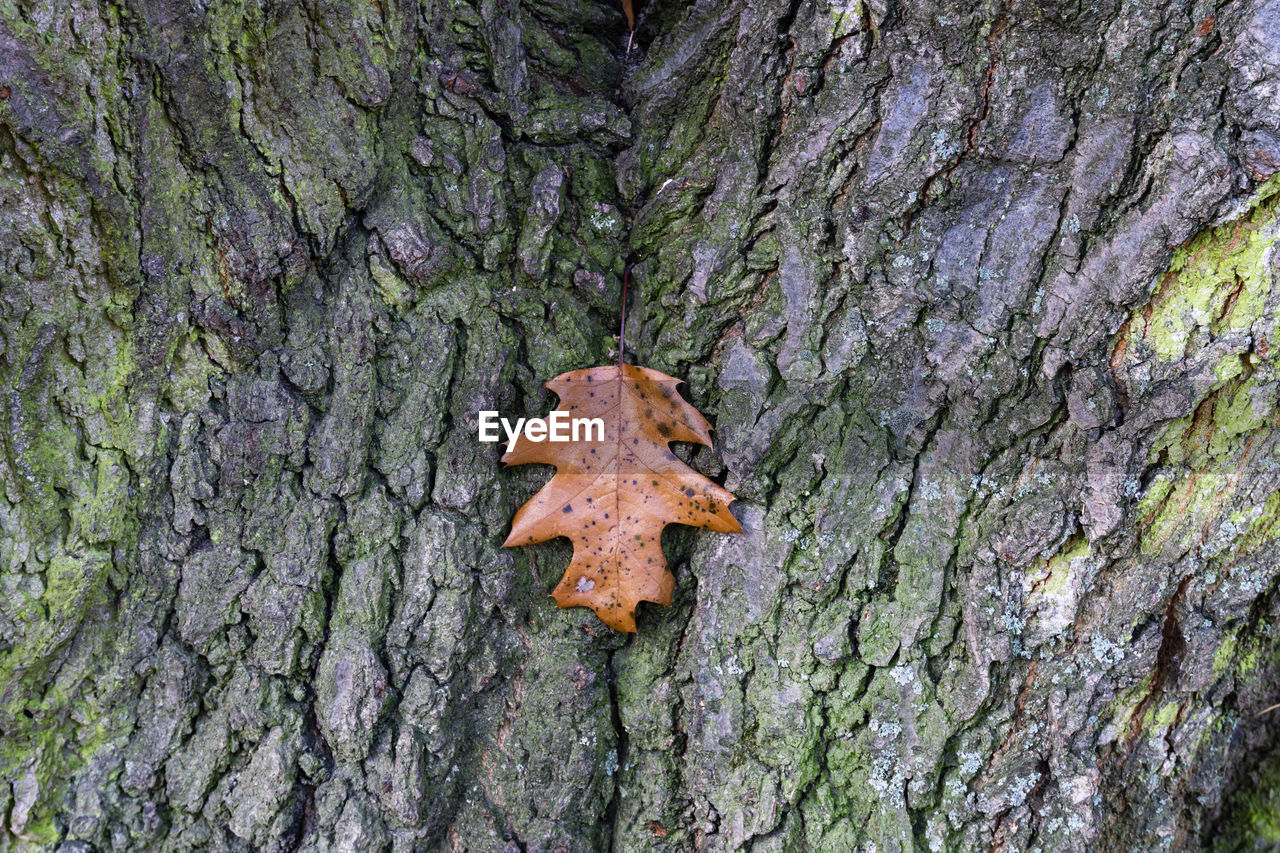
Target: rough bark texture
[(982, 301)]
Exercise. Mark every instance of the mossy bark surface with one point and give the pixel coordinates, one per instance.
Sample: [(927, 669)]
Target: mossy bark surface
[(981, 299)]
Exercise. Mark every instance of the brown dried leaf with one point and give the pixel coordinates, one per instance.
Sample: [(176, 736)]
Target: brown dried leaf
[(613, 498)]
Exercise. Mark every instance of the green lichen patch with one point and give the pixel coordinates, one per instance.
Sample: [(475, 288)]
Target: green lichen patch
[(1213, 311), (1216, 283), (1251, 817)]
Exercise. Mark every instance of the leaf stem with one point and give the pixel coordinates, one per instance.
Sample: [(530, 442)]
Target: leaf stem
[(622, 326)]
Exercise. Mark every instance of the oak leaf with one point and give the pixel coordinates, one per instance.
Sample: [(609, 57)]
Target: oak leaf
[(612, 498)]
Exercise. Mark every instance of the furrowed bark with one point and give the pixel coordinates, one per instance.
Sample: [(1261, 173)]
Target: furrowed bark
[(981, 302)]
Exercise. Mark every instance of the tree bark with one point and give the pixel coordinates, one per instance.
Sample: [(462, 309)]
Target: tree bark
[(981, 302)]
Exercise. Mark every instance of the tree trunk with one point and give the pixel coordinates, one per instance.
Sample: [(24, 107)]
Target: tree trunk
[(981, 302)]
